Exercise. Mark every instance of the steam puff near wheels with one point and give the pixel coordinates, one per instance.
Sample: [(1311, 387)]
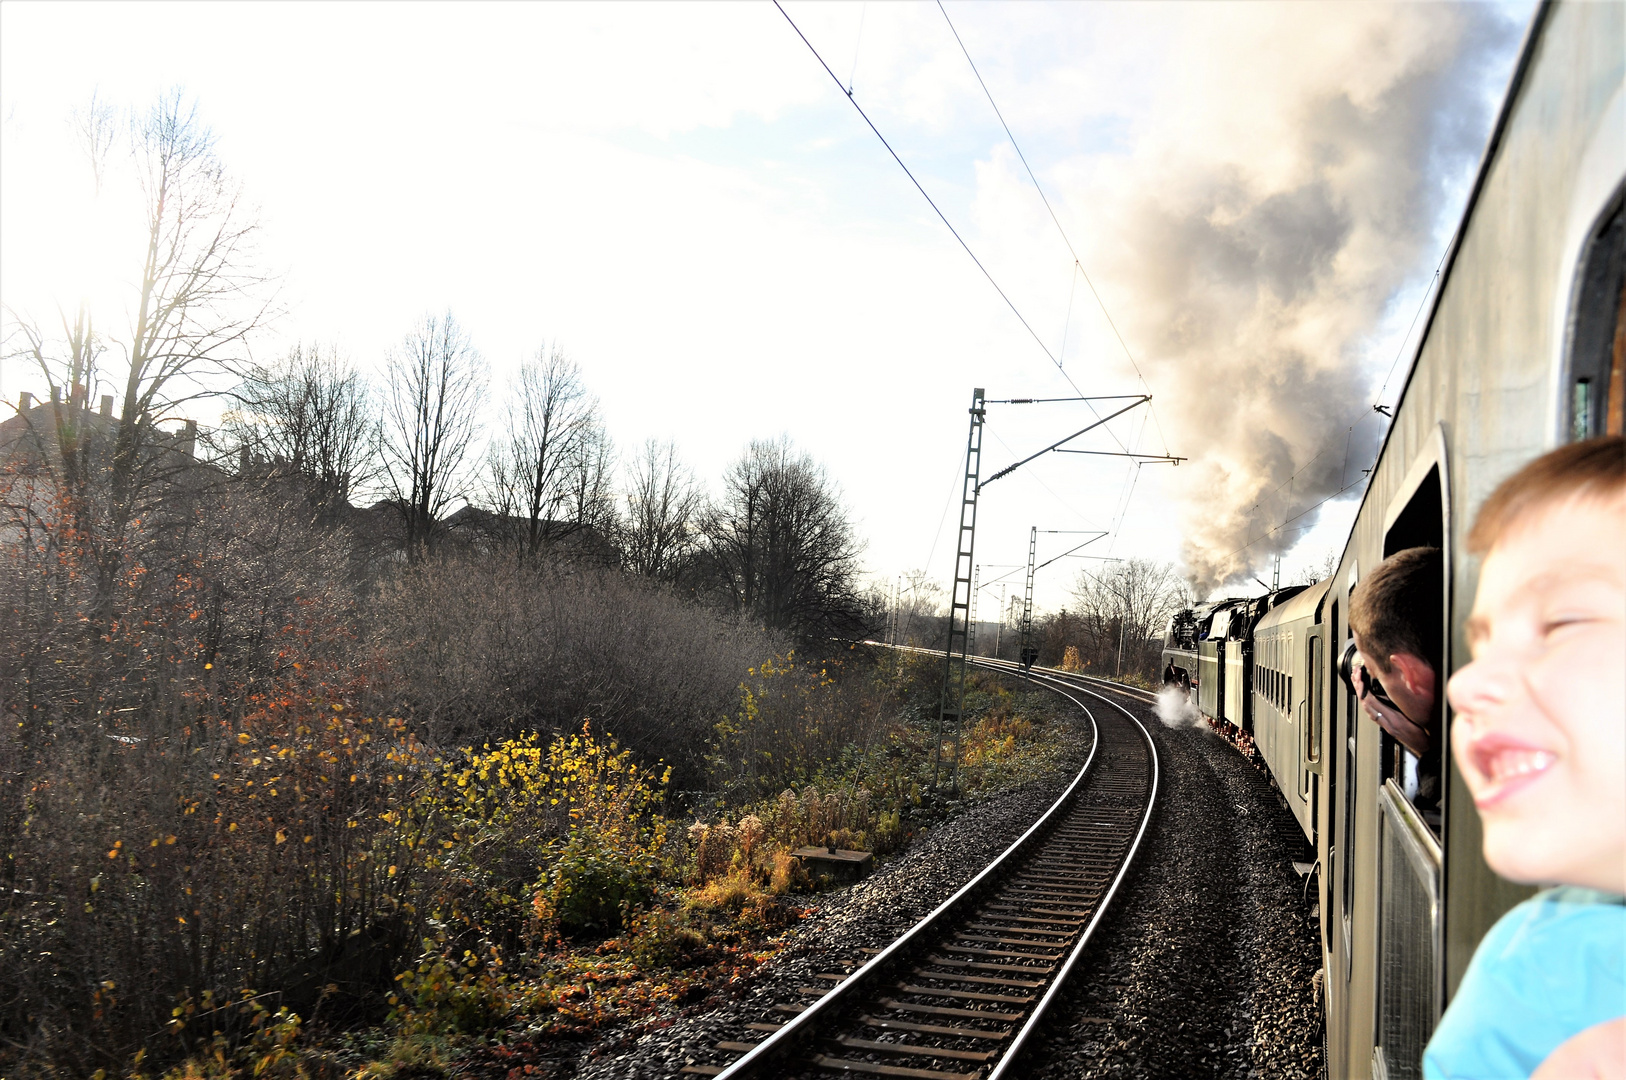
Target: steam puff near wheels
[(1175, 709)]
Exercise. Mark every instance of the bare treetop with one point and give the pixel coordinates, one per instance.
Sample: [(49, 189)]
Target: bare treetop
[(430, 423)]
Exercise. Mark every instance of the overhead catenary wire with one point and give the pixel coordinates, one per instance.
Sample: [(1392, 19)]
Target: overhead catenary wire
[(1036, 479), (1078, 263), (1003, 295), (863, 10), (1427, 292), (1288, 521), (918, 187)]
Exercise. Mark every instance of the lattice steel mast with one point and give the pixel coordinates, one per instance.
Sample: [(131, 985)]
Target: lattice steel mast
[(952, 703)]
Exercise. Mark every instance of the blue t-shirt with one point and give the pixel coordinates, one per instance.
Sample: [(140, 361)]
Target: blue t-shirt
[(1551, 968)]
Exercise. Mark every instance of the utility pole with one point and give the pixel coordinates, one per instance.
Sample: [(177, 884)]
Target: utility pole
[(971, 638), (1029, 654), (1276, 575), (1030, 651), (951, 706), (999, 627)]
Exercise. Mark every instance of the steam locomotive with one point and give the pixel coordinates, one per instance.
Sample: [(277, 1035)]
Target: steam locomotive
[(1522, 351)]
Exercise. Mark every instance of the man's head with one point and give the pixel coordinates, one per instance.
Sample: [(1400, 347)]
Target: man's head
[(1394, 616), (1540, 726)]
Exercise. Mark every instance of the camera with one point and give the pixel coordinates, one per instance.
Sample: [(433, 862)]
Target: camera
[(1361, 681)]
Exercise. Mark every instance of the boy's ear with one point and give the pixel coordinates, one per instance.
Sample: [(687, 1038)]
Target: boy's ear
[(1417, 673)]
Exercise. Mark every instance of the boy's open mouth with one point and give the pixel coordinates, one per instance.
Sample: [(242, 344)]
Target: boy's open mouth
[(1506, 765)]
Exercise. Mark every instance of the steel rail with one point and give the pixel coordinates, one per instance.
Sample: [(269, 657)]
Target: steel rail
[(1007, 1063), (803, 1026), (803, 1023)]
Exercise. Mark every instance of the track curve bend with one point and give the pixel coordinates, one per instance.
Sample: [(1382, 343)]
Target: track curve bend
[(958, 995)]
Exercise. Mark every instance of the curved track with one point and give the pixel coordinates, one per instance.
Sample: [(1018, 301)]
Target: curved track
[(958, 995)]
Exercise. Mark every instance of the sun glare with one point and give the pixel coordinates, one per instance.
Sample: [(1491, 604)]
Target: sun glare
[(69, 241)]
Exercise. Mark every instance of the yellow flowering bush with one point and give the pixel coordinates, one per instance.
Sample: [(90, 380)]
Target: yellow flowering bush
[(567, 830)]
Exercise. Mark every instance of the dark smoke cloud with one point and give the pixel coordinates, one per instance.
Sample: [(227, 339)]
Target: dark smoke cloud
[(1285, 190)]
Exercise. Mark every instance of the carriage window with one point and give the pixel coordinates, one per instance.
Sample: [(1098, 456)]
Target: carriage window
[(1422, 524), (1597, 383)]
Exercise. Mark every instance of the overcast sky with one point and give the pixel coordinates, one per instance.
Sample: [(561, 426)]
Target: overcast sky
[(681, 198)]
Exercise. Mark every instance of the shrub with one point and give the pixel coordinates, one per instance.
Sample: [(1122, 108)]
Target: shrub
[(447, 993), (593, 887), (664, 939), (574, 821)]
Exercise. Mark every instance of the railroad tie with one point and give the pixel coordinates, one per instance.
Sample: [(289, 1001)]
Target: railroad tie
[(932, 1029), (991, 980), (915, 1049), (939, 1010), (965, 995), (1014, 969), (824, 1061)]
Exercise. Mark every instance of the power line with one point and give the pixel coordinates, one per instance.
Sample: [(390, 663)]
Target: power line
[(1435, 280), (1077, 263), (1035, 478), (941, 216), (944, 219), (1287, 521)]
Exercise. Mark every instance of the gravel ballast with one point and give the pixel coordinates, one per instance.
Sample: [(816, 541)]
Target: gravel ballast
[(869, 914), (1204, 967)]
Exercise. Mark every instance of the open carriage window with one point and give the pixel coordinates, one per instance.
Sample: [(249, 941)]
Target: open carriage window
[(1596, 384), (1421, 523)]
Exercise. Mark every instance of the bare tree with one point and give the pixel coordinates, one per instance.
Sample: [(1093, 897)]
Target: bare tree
[(1321, 571), (309, 418), (547, 478), (1122, 608), (592, 495), (194, 303), (663, 508), (529, 471), (780, 547), (429, 423), (920, 610)]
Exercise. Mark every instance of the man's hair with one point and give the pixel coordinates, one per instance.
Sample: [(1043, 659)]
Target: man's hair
[(1593, 469), (1397, 607)]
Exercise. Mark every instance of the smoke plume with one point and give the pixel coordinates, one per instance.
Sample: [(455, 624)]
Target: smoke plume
[(1290, 183)]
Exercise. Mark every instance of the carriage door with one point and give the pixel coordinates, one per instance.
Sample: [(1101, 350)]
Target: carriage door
[(1310, 724)]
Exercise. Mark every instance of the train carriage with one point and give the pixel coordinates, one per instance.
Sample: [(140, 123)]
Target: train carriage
[(1522, 351), (1285, 732)]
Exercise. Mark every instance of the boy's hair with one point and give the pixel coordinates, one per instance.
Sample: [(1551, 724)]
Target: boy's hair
[(1396, 608), (1594, 469)]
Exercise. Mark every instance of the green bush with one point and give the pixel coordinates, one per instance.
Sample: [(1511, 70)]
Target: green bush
[(595, 885), (664, 939)]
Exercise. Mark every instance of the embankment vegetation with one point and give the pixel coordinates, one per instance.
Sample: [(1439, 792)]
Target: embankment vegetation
[(344, 738)]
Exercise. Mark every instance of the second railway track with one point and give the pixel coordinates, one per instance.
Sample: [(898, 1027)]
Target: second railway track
[(957, 996)]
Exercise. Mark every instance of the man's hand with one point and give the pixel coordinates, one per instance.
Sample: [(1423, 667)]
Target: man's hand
[(1412, 736)]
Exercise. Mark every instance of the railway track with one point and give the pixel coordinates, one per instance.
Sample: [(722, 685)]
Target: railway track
[(958, 995)]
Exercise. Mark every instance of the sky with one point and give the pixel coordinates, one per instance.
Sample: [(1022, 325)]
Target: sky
[(683, 199)]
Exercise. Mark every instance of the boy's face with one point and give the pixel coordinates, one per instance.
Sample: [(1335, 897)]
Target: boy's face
[(1540, 727)]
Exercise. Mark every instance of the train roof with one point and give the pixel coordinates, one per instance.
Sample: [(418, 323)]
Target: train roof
[(1302, 606)]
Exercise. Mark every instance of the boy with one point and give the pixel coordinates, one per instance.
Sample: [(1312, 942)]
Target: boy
[(1540, 738)]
